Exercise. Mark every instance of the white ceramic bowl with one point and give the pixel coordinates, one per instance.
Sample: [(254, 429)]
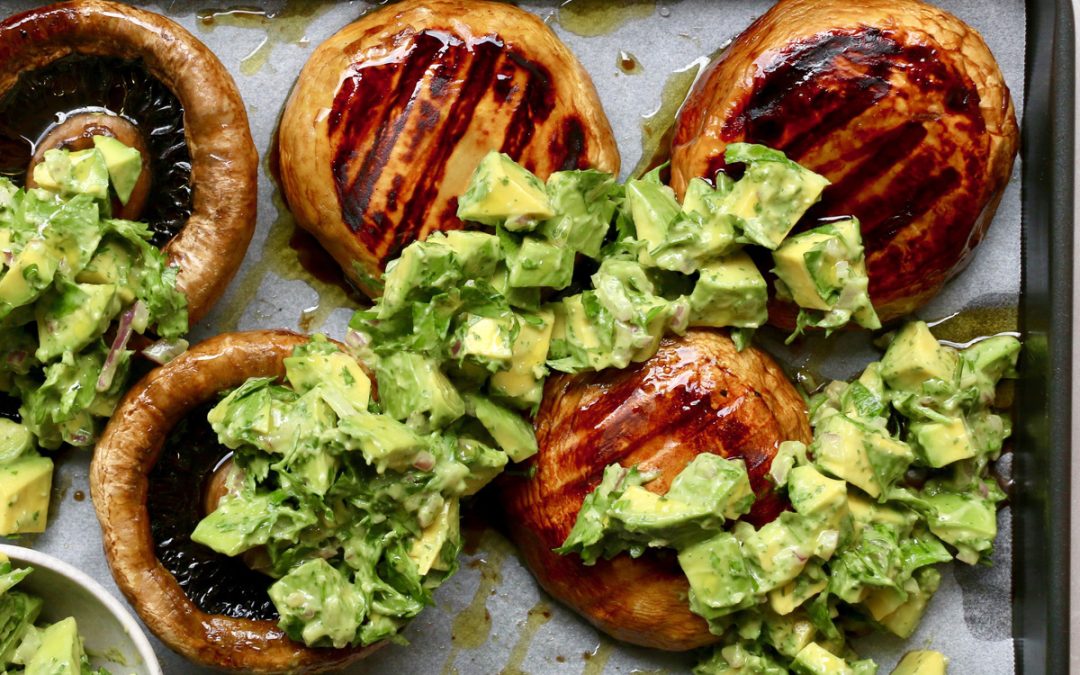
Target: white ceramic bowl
[(112, 637)]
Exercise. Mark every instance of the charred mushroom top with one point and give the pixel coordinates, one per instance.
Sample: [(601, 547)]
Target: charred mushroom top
[(71, 70), (230, 629), (697, 394), (900, 104), (391, 115)]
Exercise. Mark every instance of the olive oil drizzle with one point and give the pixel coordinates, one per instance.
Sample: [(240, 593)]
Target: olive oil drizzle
[(538, 615), (471, 627), (286, 26), (658, 126), (596, 660), (590, 18)]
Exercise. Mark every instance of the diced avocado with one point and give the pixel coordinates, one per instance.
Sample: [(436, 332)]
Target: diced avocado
[(584, 206), (720, 582), (914, 356), (61, 650), (522, 382), (421, 267), (729, 292), (477, 252), (384, 442), (789, 633), (318, 604), (489, 340), (922, 662), (986, 362), (111, 264), (25, 488), (814, 659), (963, 520), (70, 173), (502, 192), (522, 298), (787, 598), (312, 369), (942, 443), (15, 440), (27, 276), (772, 195), (715, 484), (780, 549), (792, 268), (412, 384), (427, 547), (509, 429), (538, 262), (71, 316), (840, 449), (124, 165), (864, 512), (584, 329), (884, 600), (485, 463), (653, 208), (903, 621), (812, 493)]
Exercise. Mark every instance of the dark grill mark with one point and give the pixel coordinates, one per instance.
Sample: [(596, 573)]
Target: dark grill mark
[(434, 85), (216, 584)]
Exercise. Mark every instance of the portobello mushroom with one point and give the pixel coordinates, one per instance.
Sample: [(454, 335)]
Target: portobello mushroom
[(391, 115), (219, 616), (72, 70), (900, 104), (697, 394)]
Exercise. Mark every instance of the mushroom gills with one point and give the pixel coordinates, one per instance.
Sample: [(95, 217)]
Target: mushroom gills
[(40, 109), (190, 467)]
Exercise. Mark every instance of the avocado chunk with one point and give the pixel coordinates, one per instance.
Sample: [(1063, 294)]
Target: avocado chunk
[(124, 165), (922, 662), (720, 582), (963, 520), (729, 292), (61, 651), (942, 443), (903, 621), (423, 267), (330, 369), (71, 316), (318, 604), (502, 192), (523, 381), (772, 195), (478, 253), (914, 357), (488, 340), (411, 384), (863, 457), (984, 363), (814, 659), (512, 432), (812, 493), (789, 633), (787, 598), (534, 261), (427, 549), (27, 276), (111, 264), (581, 336), (71, 173), (25, 489), (584, 206), (653, 208)]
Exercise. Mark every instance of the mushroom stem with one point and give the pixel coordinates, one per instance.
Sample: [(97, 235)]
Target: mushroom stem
[(76, 132)]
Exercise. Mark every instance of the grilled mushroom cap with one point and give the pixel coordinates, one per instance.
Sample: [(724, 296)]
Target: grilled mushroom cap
[(210, 245), (391, 115), (901, 105), (123, 460), (697, 394)]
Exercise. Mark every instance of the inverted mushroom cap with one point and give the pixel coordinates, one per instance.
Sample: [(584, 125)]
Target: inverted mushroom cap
[(391, 115), (900, 104), (211, 244), (123, 460), (697, 394)]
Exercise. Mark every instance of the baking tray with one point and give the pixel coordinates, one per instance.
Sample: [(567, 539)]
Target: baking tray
[(491, 617)]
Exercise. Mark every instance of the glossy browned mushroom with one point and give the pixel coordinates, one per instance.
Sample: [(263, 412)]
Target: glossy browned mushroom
[(900, 104), (391, 115), (697, 394), (211, 243), (119, 481)]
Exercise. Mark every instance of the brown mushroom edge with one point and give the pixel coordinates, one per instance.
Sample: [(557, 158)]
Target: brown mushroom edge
[(119, 480), (697, 394), (209, 247)]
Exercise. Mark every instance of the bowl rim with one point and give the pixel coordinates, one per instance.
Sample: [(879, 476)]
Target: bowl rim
[(28, 556)]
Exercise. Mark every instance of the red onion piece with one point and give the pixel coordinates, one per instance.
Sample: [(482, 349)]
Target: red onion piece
[(123, 334)]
